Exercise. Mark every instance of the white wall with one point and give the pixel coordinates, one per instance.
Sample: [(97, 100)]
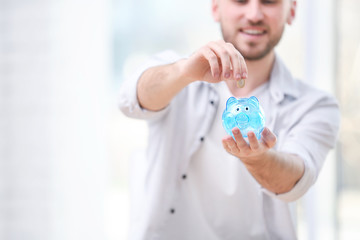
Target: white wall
[(25, 138), (54, 82)]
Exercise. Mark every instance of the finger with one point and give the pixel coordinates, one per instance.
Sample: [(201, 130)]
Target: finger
[(226, 146), (211, 57), (224, 56), (253, 142), (238, 62), (268, 138), (244, 70), (232, 145), (235, 58), (240, 141)]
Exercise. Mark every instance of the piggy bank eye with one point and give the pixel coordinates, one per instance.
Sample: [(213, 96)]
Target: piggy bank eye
[(237, 109), (246, 108)]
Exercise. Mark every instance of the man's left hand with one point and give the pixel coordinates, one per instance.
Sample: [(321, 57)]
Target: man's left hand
[(250, 153)]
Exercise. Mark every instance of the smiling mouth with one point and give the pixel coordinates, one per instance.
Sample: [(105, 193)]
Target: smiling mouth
[(253, 32)]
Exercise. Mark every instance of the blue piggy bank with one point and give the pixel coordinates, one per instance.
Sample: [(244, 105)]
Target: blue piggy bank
[(244, 113)]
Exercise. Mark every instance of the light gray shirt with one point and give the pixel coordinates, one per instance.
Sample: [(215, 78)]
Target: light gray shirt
[(171, 201)]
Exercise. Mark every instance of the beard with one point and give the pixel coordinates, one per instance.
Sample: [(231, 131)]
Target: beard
[(250, 50)]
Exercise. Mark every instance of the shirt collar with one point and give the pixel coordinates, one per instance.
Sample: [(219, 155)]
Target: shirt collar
[(282, 82)]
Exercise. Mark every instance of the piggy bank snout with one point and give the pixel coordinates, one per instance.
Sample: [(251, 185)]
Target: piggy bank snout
[(242, 118)]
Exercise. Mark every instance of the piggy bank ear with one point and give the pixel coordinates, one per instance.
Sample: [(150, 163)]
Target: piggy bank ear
[(230, 101), (254, 100)]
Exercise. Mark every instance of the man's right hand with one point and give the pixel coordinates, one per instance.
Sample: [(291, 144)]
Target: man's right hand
[(214, 62)]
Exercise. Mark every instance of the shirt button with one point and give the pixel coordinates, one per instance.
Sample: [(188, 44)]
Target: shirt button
[(212, 102), (184, 176), (172, 211), (278, 95), (202, 139)]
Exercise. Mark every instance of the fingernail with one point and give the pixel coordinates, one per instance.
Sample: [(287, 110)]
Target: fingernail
[(266, 131), (238, 76), (227, 75), (236, 131), (244, 75)]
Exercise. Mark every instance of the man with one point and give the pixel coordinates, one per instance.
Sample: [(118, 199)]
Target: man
[(193, 186)]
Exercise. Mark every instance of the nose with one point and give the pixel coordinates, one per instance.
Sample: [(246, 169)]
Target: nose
[(254, 12)]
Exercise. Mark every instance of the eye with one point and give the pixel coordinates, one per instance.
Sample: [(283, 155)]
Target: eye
[(246, 108), (269, 1), (237, 109)]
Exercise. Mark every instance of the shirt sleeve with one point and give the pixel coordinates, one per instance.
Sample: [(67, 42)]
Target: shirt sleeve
[(311, 139), (128, 100)]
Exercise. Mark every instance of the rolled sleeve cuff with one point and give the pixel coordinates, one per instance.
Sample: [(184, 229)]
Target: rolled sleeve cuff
[(305, 182), (129, 103)]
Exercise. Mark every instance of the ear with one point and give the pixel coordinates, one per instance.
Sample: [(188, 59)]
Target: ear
[(292, 12), (254, 100), (230, 101), (215, 10)]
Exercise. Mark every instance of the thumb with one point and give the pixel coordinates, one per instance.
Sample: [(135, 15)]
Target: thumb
[(268, 137)]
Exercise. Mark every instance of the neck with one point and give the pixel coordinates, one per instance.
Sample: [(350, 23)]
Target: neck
[(258, 73)]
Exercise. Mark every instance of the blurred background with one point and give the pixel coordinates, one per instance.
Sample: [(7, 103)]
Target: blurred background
[(65, 147)]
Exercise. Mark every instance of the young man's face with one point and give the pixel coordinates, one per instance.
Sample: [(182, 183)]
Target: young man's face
[(254, 27)]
